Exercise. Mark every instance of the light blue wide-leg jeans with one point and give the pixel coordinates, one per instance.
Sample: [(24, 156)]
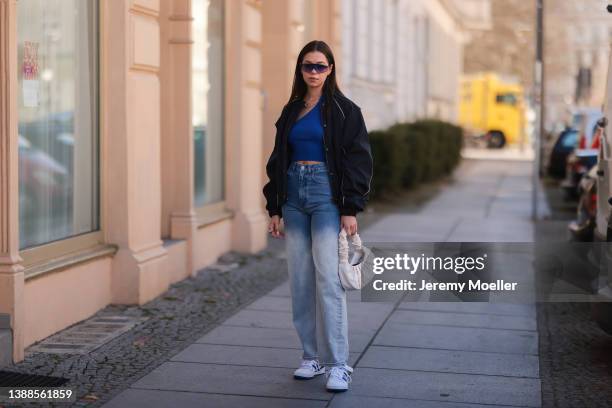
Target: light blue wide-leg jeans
[(312, 224)]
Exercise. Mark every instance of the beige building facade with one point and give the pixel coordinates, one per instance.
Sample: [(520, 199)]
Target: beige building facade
[(133, 138), (403, 58)]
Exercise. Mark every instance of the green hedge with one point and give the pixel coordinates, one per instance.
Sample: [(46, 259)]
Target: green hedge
[(407, 154)]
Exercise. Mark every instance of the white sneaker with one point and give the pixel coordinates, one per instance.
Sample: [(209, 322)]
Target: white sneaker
[(308, 369), (338, 378)]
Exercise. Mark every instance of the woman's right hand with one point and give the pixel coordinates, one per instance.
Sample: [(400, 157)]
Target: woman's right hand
[(274, 227)]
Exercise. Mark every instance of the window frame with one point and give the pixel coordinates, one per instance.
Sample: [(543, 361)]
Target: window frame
[(43, 253), (212, 212)]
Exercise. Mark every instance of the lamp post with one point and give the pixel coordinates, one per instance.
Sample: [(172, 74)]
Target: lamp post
[(539, 103)]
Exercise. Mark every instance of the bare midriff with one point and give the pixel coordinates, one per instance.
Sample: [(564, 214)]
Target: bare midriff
[(307, 162)]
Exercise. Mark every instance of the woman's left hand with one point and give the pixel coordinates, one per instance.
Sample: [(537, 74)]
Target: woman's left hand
[(349, 224)]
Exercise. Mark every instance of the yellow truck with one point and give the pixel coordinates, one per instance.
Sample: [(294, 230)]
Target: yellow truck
[(492, 108)]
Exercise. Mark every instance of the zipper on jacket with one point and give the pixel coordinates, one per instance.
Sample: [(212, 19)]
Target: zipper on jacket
[(324, 126), (323, 119)]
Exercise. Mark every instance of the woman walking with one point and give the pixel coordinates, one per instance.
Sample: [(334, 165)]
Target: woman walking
[(320, 172)]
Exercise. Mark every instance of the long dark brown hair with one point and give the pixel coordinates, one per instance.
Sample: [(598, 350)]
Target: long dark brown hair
[(299, 89)]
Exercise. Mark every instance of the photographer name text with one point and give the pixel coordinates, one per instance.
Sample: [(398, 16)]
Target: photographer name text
[(477, 285)]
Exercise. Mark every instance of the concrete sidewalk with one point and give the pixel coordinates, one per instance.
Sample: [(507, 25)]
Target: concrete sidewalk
[(405, 354)]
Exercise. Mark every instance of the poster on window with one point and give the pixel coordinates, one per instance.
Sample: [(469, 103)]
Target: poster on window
[(29, 71)]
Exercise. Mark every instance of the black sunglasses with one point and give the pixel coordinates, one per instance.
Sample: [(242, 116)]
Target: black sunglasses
[(318, 68)]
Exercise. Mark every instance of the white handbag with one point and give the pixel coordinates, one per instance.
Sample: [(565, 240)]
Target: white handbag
[(355, 270)]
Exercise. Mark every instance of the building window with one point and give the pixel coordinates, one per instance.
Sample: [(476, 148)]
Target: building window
[(58, 119), (208, 99), (376, 46), (361, 45), (506, 99), (390, 35)]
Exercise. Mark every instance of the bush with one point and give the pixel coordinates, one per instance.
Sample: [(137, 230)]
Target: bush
[(407, 154), (412, 142), (389, 153)]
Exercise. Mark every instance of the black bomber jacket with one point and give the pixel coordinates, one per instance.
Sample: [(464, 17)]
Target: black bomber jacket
[(347, 153)]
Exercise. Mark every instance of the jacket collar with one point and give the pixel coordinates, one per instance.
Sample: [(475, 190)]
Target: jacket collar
[(301, 103)]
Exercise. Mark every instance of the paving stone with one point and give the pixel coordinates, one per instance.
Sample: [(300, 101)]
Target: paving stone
[(241, 355), (213, 378), (136, 398), (347, 400), (361, 316), (284, 291), (409, 228), (474, 389), (281, 338), (261, 319), (270, 302), (370, 312), (493, 230), (245, 336), (458, 338), (464, 320), (473, 307), (465, 362), (281, 290), (372, 238)]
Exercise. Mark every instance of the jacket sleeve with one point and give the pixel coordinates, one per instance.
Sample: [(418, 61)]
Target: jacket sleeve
[(270, 189), (357, 164)]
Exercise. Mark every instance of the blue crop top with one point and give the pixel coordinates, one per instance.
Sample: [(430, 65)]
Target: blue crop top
[(306, 137)]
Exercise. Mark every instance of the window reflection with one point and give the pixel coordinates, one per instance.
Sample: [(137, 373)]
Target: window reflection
[(207, 94), (58, 148)]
